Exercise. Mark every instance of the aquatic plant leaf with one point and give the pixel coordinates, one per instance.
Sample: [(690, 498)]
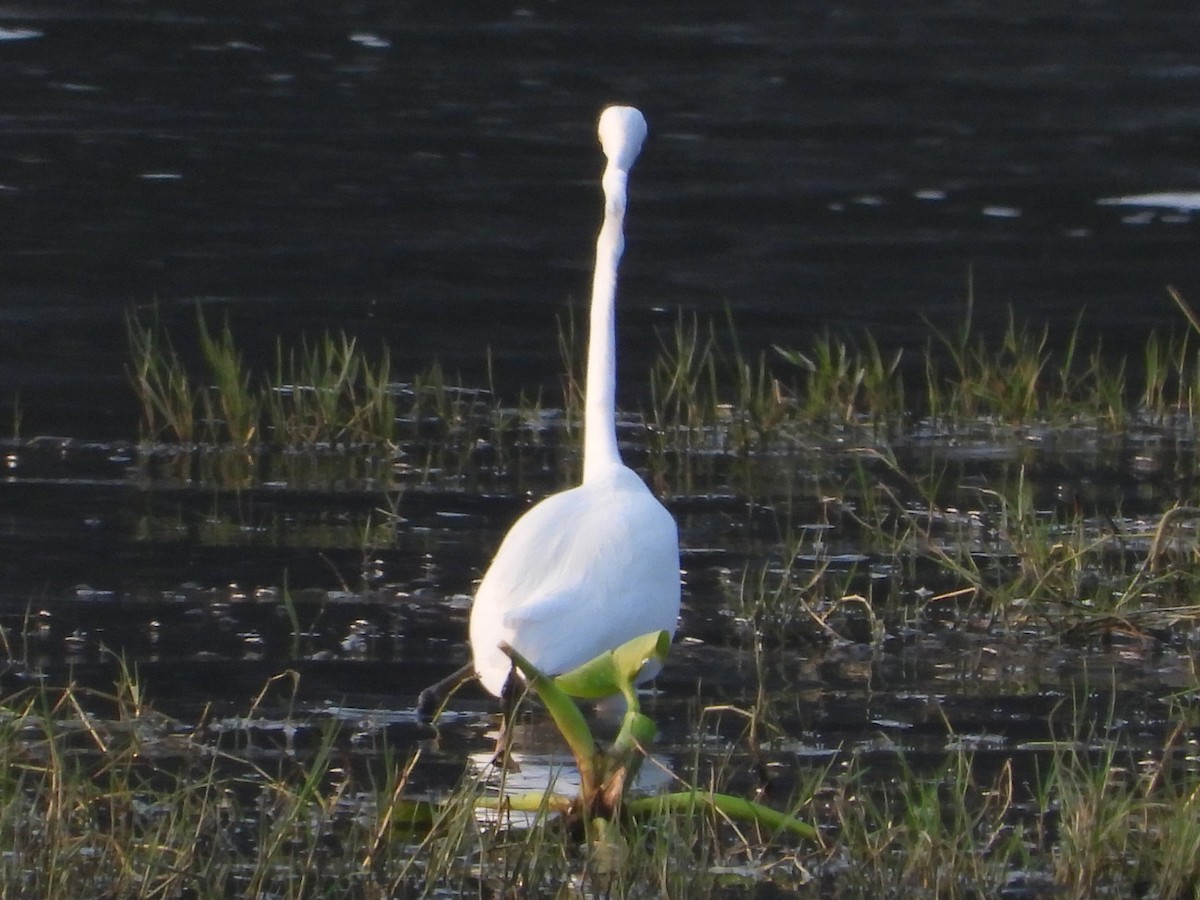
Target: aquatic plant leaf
[(566, 715), (631, 656), (735, 807), (624, 758), (642, 728), (613, 671), (637, 729), (596, 678), (529, 801), (413, 815)]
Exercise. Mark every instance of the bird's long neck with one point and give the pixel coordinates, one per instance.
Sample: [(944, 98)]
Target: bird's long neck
[(599, 422)]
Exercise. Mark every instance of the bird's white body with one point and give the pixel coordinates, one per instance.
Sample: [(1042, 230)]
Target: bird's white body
[(587, 569), (564, 587)]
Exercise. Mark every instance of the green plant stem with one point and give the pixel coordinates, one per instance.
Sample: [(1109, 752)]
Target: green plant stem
[(735, 807)]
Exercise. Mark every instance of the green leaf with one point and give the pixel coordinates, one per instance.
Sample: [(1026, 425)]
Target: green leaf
[(624, 757), (566, 715), (413, 815), (631, 656), (642, 729), (613, 671), (637, 729), (594, 679), (529, 801)]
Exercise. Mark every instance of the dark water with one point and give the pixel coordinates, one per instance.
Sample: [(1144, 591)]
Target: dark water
[(429, 177), (205, 592)]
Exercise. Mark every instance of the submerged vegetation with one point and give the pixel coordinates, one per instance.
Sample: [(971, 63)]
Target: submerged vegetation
[(1032, 509)]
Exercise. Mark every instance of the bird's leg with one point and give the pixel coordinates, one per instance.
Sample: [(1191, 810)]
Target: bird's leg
[(430, 700), (510, 696)]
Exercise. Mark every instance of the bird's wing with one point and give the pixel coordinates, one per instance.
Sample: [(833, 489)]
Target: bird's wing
[(580, 573), (547, 609)]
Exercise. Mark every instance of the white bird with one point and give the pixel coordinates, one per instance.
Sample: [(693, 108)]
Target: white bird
[(589, 568)]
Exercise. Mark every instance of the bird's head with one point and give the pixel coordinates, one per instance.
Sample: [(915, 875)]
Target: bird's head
[(622, 130)]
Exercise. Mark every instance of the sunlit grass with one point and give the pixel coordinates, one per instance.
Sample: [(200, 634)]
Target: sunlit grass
[(328, 392), (326, 411), (104, 796), (129, 803), (712, 409), (705, 392)]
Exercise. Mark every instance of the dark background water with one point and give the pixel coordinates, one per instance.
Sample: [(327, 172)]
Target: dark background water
[(428, 175)]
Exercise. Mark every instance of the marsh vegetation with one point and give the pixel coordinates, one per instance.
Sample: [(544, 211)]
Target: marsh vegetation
[(941, 605)]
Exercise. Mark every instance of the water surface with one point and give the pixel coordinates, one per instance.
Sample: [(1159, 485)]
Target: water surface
[(430, 179)]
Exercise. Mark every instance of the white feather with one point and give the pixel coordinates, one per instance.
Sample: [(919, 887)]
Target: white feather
[(587, 569)]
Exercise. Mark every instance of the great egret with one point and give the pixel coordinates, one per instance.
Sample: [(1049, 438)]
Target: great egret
[(586, 569)]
